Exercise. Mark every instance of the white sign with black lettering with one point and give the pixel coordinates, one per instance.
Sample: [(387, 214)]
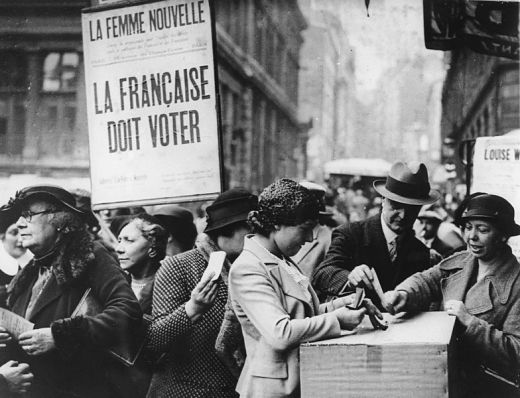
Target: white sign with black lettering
[(151, 103), (496, 170)]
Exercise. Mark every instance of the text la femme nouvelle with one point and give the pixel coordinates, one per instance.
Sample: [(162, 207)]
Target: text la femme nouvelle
[(163, 88), (161, 18)]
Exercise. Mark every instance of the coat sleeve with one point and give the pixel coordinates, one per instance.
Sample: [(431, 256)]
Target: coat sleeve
[(332, 274), (229, 345), (253, 294), (170, 296), (422, 289), (500, 349), (120, 311)]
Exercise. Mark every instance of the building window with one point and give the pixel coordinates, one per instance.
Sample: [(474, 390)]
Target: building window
[(18, 130), (260, 35), (3, 135), (60, 71), (509, 102), (13, 70)]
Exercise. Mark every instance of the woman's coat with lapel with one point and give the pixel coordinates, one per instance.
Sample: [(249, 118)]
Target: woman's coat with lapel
[(275, 317), (492, 338)]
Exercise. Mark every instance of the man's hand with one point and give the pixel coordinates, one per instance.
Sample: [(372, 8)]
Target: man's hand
[(349, 319), (375, 316), (37, 341), (18, 376), (395, 300), (5, 337), (202, 297), (361, 276)]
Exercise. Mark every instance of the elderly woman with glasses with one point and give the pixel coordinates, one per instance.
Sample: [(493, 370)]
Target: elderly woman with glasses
[(67, 354), (274, 302), (481, 288)]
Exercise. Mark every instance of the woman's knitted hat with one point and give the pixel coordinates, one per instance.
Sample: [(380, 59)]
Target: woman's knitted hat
[(285, 202)]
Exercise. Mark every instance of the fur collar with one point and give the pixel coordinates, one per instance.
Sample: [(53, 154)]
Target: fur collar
[(69, 263)]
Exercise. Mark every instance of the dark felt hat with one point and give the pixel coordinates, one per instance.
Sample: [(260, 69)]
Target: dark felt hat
[(51, 193), (178, 221), (230, 207), (7, 218), (84, 203), (407, 184), (495, 209)]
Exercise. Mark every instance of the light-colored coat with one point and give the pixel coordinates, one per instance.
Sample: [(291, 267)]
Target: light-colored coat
[(492, 338), (275, 317)]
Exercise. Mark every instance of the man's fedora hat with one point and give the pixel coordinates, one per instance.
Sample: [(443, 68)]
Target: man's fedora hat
[(495, 209), (430, 213), (230, 207), (52, 193), (408, 184)]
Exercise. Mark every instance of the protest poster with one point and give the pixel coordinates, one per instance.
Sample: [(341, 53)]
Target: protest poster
[(152, 106), (496, 167)]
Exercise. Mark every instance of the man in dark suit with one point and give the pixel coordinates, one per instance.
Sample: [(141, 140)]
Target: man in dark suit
[(437, 234), (385, 242)]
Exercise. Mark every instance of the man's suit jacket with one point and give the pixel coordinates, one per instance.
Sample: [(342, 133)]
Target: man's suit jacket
[(275, 317), (363, 242)]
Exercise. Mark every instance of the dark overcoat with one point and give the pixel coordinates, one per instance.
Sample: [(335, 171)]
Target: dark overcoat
[(363, 242), (79, 365)]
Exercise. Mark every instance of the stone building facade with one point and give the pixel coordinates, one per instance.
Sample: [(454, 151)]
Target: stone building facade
[(43, 123), (327, 87), (481, 97)]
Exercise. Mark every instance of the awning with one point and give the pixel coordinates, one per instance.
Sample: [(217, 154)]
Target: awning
[(358, 167), (489, 27)]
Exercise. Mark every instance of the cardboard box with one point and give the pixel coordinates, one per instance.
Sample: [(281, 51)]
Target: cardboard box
[(410, 359)]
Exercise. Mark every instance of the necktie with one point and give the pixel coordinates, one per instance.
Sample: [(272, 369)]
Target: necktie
[(392, 250)]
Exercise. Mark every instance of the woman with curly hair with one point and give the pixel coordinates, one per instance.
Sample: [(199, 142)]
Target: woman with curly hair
[(67, 354), (274, 302), (140, 250)]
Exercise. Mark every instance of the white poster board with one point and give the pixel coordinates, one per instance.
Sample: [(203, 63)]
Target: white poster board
[(151, 103), (496, 170)]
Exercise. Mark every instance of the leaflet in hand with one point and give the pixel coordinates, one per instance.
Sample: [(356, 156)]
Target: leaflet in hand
[(216, 261), (14, 323)]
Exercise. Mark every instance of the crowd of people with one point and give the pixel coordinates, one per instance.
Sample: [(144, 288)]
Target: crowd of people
[(120, 303)]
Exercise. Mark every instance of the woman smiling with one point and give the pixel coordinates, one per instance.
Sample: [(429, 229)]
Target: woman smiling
[(481, 287)]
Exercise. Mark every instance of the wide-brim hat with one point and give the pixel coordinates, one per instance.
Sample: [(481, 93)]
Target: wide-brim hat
[(495, 209), (177, 220), (407, 184), (84, 203), (52, 193), (230, 207)]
